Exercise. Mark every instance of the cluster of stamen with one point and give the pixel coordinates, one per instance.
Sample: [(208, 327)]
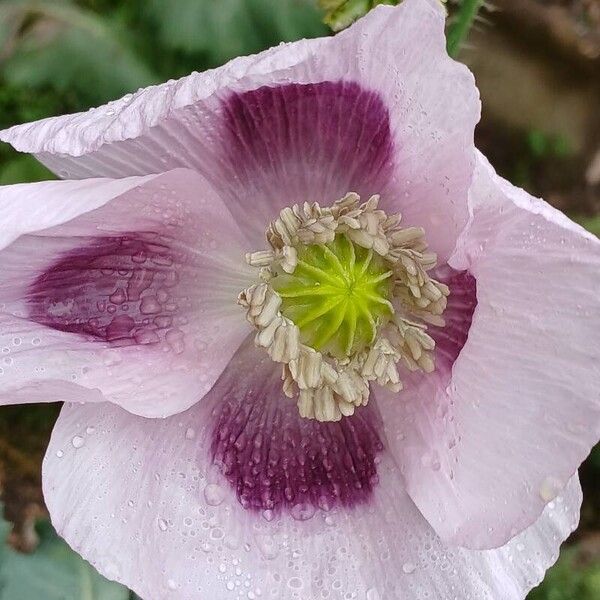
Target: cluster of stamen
[(343, 298)]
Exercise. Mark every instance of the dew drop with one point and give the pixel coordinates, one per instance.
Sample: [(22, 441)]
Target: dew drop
[(295, 583), (550, 488), (139, 257), (118, 297), (146, 337), (303, 511), (213, 494), (163, 321), (162, 525), (268, 515), (172, 585), (149, 305), (77, 441), (408, 568), (162, 295), (175, 339)]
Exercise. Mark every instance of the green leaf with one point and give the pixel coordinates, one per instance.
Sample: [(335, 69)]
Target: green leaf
[(52, 572), (232, 27), (23, 169), (342, 13), (19, 105), (538, 143), (572, 578), (71, 50), (461, 24), (592, 224)]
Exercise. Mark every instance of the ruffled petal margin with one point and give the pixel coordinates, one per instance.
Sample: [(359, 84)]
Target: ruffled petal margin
[(140, 500), (378, 108), (485, 446), (118, 290)]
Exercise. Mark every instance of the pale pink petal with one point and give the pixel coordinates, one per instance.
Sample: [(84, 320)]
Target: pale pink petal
[(151, 504), (377, 108), (31, 207), (420, 424), (119, 290), (486, 446)]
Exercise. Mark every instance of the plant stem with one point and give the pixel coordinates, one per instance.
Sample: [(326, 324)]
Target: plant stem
[(458, 31)]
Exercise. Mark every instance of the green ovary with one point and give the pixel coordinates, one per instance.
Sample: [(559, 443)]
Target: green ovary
[(338, 296)]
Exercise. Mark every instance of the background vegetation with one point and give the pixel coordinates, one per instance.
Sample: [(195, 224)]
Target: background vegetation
[(537, 63)]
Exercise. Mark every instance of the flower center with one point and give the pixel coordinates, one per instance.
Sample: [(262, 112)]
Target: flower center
[(338, 286), (338, 296)]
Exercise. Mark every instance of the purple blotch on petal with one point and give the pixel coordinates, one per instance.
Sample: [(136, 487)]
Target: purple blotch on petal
[(111, 289), (307, 142), (451, 338), (277, 461)]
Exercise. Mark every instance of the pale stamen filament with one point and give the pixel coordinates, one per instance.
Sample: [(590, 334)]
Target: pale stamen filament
[(337, 321)]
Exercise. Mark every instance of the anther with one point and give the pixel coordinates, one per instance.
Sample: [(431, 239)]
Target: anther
[(337, 283)]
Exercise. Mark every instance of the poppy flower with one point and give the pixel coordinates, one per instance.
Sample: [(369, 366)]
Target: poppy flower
[(309, 344)]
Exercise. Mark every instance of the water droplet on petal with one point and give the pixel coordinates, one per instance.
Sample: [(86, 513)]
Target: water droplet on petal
[(149, 305), (213, 494), (295, 583), (118, 297), (408, 568), (303, 511), (550, 488), (172, 585), (77, 441), (175, 339), (268, 515)]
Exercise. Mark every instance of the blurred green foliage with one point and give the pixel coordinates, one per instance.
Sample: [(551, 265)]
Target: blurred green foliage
[(83, 57), (535, 160), (52, 572), (544, 145), (61, 56), (90, 51), (340, 14), (570, 579), (591, 224), (238, 27)]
